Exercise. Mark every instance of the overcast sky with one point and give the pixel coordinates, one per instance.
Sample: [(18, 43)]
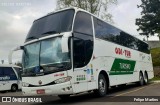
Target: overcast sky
[(17, 17)]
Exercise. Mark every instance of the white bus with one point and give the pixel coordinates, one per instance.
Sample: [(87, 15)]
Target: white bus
[(10, 77), (72, 51)]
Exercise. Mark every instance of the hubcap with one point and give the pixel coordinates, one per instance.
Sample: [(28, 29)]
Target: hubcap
[(145, 78), (102, 85), (141, 79), (14, 88)]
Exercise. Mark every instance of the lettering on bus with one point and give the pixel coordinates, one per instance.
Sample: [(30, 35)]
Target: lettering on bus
[(4, 78), (120, 51), (60, 74), (125, 66)]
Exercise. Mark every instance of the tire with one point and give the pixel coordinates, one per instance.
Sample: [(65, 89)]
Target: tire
[(63, 97), (141, 79), (102, 86), (145, 78), (14, 88)]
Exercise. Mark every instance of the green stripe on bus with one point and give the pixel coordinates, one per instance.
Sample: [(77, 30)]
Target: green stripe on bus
[(121, 66)]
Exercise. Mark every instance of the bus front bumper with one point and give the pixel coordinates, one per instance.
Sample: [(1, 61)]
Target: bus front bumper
[(58, 89)]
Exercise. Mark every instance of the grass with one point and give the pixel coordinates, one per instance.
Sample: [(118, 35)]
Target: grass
[(155, 52), (155, 78)]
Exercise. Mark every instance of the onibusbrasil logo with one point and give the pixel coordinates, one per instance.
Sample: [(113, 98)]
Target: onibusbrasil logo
[(22, 99)]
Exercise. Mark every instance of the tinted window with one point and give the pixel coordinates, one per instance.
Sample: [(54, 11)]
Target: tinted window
[(143, 47), (79, 52), (8, 71), (83, 39), (83, 49), (1, 71), (105, 31), (108, 32), (83, 23), (51, 24)]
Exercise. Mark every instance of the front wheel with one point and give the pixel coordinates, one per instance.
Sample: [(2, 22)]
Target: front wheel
[(102, 86), (14, 88)]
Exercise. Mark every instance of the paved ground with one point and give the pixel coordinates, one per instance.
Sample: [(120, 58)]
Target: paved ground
[(130, 92)]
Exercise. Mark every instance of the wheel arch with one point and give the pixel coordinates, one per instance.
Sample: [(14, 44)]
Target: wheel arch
[(105, 75), (14, 84), (141, 72)]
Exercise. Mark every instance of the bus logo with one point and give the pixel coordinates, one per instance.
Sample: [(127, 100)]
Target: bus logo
[(40, 82), (120, 51)]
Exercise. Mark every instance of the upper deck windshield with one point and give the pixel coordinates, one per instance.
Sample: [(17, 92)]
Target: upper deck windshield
[(51, 24)]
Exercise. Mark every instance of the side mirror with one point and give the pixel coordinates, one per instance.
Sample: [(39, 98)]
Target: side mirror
[(64, 43), (11, 53)]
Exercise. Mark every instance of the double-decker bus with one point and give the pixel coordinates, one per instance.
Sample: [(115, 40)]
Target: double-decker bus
[(72, 51)]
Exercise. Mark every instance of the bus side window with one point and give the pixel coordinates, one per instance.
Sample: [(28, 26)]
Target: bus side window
[(1, 71), (83, 23), (8, 71)]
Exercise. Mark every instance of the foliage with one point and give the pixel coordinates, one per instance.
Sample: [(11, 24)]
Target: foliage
[(155, 52), (149, 23), (97, 7), (18, 64), (155, 79)]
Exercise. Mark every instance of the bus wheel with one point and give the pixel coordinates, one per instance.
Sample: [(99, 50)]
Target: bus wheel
[(14, 88), (102, 86), (141, 79), (145, 78), (63, 97)]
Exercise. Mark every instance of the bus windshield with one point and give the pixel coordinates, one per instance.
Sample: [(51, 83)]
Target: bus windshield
[(51, 24), (46, 54)]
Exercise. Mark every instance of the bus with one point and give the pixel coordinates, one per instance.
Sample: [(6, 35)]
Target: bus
[(10, 77), (72, 51)]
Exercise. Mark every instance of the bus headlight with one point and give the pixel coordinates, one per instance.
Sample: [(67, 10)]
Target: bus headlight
[(25, 84), (62, 80)]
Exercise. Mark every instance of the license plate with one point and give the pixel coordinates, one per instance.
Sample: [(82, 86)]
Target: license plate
[(41, 91)]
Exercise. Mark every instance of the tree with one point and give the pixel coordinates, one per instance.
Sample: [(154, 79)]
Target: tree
[(18, 63), (149, 23), (97, 7)]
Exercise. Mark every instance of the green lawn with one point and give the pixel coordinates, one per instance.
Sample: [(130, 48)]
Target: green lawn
[(155, 78), (155, 56)]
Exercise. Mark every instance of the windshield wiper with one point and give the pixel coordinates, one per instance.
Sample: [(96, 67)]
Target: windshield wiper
[(54, 65), (49, 32), (62, 65)]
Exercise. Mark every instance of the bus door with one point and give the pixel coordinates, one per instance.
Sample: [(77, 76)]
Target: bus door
[(79, 72)]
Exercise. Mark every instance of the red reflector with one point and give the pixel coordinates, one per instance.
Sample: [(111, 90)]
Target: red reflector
[(41, 91)]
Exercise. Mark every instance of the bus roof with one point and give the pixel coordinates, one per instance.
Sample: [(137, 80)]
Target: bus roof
[(8, 65)]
